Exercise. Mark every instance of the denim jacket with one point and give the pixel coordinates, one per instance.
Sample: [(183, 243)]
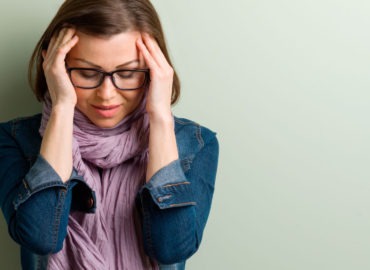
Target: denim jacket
[(174, 204)]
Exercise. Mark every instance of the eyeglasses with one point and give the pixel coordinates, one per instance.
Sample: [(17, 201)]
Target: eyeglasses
[(123, 79)]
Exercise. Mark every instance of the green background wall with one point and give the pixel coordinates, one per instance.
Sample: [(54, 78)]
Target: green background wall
[(286, 86)]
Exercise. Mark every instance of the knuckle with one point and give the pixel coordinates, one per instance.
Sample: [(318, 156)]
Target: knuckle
[(60, 50), (170, 71), (47, 68), (52, 70), (165, 73), (161, 75)]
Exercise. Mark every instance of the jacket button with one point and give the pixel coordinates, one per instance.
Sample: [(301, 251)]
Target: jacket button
[(90, 203)]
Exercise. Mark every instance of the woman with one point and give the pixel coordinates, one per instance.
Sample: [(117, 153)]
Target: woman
[(106, 177)]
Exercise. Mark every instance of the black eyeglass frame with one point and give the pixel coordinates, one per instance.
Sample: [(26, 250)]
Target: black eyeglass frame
[(110, 74)]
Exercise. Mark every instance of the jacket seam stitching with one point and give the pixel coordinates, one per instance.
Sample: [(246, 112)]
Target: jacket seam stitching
[(58, 218), (176, 184), (183, 122), (199, 136), (183, 204)]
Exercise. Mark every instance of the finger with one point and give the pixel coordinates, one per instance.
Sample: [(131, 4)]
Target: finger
[(68, 35), (58, 40), (60, 35), (141, 59), (155, 50), (151, 63), (151, 44), (55, 40), (64, 49), (50, 47), (66, 40), (64, 36)]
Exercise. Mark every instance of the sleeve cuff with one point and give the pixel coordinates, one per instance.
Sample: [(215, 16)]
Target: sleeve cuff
[(40, 176), (169, 187)]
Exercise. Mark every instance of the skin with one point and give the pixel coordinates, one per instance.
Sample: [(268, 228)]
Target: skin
[(81, 50), (107, 54)]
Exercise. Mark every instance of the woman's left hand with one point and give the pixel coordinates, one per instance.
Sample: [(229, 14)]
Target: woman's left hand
[(161, 77), (162, 139)]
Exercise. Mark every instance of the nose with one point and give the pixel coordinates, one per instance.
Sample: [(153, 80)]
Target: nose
[(106, 90)]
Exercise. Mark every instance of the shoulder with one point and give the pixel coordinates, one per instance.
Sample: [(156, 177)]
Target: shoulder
[(23, 132), (17, 126), (192, 137), (191, 129), (27, 123)]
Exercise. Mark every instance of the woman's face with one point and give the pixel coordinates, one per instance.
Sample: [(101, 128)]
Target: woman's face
[(106, 105)]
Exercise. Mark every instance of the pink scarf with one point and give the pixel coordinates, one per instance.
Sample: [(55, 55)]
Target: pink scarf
[(110, 238)]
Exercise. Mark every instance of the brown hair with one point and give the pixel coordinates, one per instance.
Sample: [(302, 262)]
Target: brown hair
[(102, 18)]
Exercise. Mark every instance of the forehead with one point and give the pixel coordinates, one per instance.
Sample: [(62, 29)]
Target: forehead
[(106, 51)]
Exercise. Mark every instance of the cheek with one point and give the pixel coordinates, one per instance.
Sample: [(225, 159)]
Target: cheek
[(82, 97), (133, 97)]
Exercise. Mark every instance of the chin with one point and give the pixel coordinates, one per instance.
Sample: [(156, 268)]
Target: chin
[(106, 123)]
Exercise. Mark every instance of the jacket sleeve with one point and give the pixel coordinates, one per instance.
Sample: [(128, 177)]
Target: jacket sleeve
[(34, 200), (175, 204)]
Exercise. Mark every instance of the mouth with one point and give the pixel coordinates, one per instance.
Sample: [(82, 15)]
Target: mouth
[(105, 108), (106, 111)]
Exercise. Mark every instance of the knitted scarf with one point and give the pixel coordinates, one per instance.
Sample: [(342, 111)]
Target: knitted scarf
[(113, 163)]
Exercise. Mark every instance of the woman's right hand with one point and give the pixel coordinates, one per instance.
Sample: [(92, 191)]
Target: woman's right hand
[(60, 87), (56, 146)]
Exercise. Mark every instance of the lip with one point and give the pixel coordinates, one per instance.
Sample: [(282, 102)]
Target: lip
[(106, 111)]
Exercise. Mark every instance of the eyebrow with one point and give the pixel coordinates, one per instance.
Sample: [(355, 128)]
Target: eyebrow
[(99, 67)]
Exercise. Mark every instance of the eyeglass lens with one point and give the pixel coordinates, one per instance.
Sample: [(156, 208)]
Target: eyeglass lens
[(123, 79)]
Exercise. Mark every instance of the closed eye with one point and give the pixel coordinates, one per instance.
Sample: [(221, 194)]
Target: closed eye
[(126, 74), (88, 73)]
